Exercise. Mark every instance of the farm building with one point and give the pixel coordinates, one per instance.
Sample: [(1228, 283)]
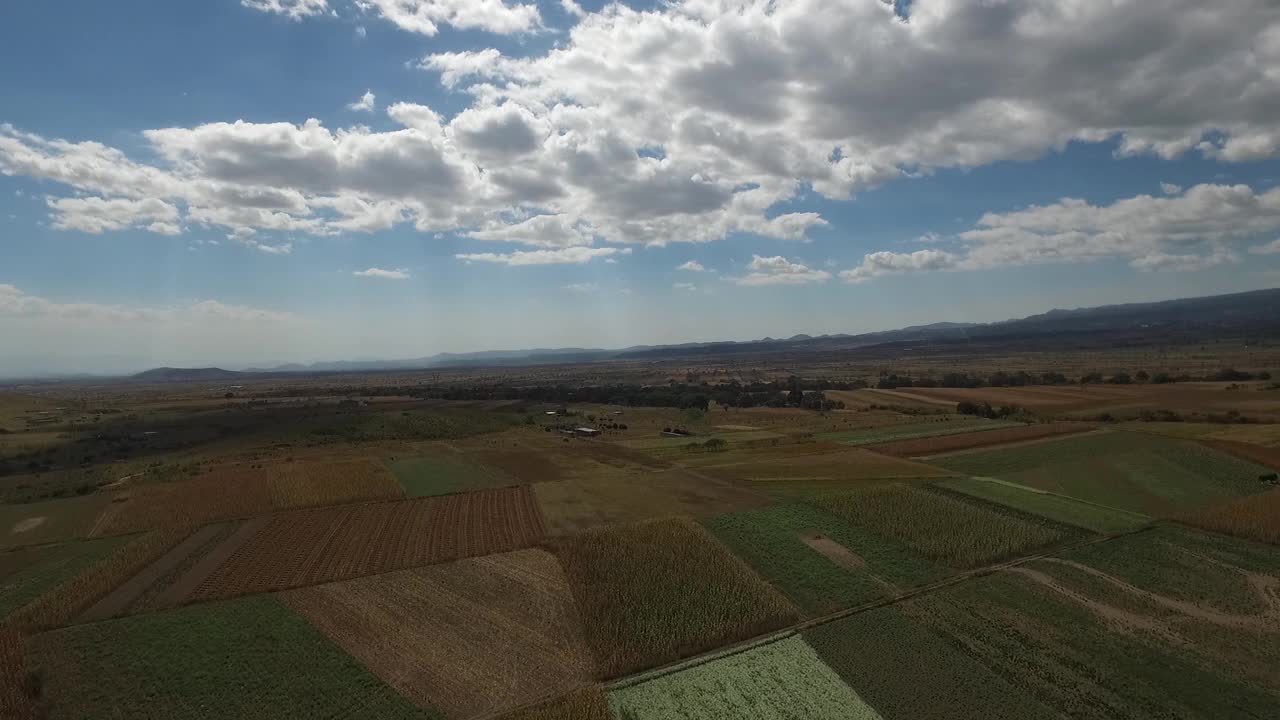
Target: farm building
[(586, 432)]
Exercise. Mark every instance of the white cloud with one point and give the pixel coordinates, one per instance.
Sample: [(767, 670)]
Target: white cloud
[(889, 263), (1169, 188), (96, 215), (1201, 227), (549, 231), (778, 270), (366, 103), (573, 8), (426, 16), (361, 32), (692, 266), (400, 274), (588, 288), (293, 9), (684, 286), (1270, 248), (14, 303), (545, 257)]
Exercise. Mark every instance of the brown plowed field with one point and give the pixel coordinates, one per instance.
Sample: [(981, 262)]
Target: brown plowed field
[(310, 484), (981, 438), (192, 579), (524, 465), (229, 492), (309, 547), (497, 632), (1268, 456), (124, 595)]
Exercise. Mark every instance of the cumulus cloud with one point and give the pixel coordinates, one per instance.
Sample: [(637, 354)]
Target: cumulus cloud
[(1270, 248), (890, 263), (426, 16), (778, 270), (548, 231), (293, 9), (95, 215), (571, 7), (1170, 189), (365, 103), (567, 255), (692, 266), (15, 303), (373, 272), (1202, 227)]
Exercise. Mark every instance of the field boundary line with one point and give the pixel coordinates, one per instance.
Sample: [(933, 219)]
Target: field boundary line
[(1030, 442), (1038, 491)]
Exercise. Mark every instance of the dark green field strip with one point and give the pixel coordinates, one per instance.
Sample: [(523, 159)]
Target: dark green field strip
[(1058, 508), (1139, 472), (428, 476), (769, 540), (28, 573), (246, 658)]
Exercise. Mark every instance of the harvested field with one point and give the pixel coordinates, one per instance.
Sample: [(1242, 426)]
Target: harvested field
[(309, 547), (589, 703), (309, 484), (1058, 508), (762, 453), (28, 573), (776, 681), (1266, 456), (1143, 473), (1122, 401), (941, 528), (444, 475), (499, 631), (527, 466), (612, 497), (227, 493), (939, 426), (773, 541), (887, 657), (50, 520), (248, 658), (853, 464), (657, 591), (979, 438), (1253, 517), (175, 590), (60, 605), (16, 691)]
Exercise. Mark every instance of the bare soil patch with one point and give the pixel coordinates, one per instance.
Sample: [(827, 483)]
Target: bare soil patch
[(25, 525), (1267, 456), (498, 632), (524, 465), (190, 581), (833, 551)]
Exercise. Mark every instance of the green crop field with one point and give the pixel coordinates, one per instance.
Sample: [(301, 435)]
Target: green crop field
[(770, 541), (1144, 473), (247, 658), (50, 520), (423, 476), (907, 672), (942, 528), (951, 425), (28, 573), (1054, 507), (654, 592), (777, 681)]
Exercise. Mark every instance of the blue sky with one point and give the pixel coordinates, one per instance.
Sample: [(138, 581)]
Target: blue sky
[(200, 183)]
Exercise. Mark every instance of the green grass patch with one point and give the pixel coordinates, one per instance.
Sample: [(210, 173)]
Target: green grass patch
[(784, 679), (424, 476), (907, 672), (1058, 508), (247, 658), (914, 431), (770, 541), (1132, 471), (28, 573), (942, 528)]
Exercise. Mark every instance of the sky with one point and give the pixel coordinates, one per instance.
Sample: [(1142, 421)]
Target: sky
[(253, 182)]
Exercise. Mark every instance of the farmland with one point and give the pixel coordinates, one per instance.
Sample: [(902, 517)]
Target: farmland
[(326, 554), (784, 679), (501, 631), (656, 591)]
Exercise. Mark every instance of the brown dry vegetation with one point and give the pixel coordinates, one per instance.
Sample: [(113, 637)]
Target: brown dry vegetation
[(60, 605), (589, 703), (229, 492), (498, 632), (524, 465), (611, 497), (309, 484), (1268, 456), (1253, 517), (308, 547), (657, 591), (16, 702), (980, 438)]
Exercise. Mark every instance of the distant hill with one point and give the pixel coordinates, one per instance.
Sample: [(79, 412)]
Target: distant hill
[(1186, 320), (169, 374)]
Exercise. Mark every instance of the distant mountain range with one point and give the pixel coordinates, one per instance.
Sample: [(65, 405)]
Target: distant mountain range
[(1171, 321)]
